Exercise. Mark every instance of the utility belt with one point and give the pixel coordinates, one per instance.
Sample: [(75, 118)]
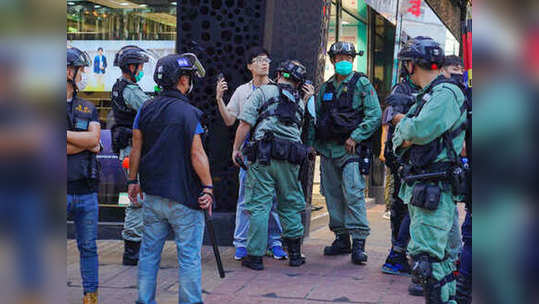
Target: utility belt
[(82, 166), (363, 157), (426, 193), (271, 147)]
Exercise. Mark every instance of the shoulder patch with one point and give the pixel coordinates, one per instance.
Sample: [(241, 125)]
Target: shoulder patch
[(364, 81)]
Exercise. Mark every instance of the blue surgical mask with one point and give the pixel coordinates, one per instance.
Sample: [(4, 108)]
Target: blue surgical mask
[(139, 75), (343, 67)]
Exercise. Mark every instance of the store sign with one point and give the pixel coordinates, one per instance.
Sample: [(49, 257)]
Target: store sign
[(412, 7), (386, 8), (102, 74)]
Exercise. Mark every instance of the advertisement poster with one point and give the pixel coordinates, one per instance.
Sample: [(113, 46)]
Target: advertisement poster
[(102, 74)]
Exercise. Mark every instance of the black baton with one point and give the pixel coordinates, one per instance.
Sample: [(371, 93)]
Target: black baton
[(211, 233)]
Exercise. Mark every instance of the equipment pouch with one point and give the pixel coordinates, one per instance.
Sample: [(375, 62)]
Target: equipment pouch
[(432, 197), (121, 137), (280, 149), (249, 150), (264, 152), (418, 195), (458, 181), (298, 153)]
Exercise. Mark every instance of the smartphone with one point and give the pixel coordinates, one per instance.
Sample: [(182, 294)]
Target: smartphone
[(220, 76)]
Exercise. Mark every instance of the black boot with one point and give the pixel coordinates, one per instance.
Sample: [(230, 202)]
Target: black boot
[(415, 289), (464, 289), (341, 245), (253, 262), (432, 292), (294, 252), (131, 250), (358, 252)]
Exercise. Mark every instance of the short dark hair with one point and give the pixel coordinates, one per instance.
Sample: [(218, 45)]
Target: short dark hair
[(99, 49), (453, 60), (254, 52)]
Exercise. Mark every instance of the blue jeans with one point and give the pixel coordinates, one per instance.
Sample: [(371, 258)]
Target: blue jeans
[(401, 243), (83, 208), (242, 219), (188, 228), (466, 255)]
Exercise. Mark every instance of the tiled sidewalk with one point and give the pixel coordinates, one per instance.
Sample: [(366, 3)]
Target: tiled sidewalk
[(321, 280)]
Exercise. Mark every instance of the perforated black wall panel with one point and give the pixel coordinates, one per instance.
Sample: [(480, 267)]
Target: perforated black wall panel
[(219, 32), (222, 30)]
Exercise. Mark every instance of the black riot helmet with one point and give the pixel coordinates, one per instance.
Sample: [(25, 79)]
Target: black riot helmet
[(77, 58), (293, 70), (130, 54), (424, 52), (169, 69), (343, 48)]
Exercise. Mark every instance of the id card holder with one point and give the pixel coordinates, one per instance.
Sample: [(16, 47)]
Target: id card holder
[(81, 124), (327, 97)]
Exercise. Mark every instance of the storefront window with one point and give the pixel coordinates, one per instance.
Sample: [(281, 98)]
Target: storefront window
[(426, 23), (352, 29), (383, 33), (120, 20), (102, 27)]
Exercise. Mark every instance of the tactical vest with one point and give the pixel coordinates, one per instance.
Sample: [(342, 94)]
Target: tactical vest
[(83, 165), (404, 88), (422, 157), (287, 110), (168, 123), (338, 118), (123, 117)]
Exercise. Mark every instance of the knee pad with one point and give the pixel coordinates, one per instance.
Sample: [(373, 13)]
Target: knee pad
[(422, 269)]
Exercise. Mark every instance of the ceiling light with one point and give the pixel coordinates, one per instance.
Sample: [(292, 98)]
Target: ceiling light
[(173, 3), (71, 3), (124, 3), (143, 5), (97, 6)]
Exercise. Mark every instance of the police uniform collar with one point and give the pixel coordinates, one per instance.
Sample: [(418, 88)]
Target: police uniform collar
[(346, 80), (433, 82), (174, 93)]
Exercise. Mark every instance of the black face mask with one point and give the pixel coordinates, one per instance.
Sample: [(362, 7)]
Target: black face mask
[(458, 78)]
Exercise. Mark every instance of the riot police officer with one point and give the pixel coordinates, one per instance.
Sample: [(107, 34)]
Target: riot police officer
[(400, 100), (348, 113), (453, 68), (429, 139), (175, 177), (274, 114), (83, 131), (127, 98)]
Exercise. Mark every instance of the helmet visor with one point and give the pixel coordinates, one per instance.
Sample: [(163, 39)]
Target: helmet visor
[(198, 68)]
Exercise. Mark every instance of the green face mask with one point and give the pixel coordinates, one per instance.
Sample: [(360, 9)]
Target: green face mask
[(139, 75), (343, 67)]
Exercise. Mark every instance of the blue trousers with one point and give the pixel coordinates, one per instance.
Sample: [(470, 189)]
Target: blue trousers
[(83, 208)]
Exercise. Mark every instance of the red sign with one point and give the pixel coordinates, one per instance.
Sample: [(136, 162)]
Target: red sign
[(415, 7)]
